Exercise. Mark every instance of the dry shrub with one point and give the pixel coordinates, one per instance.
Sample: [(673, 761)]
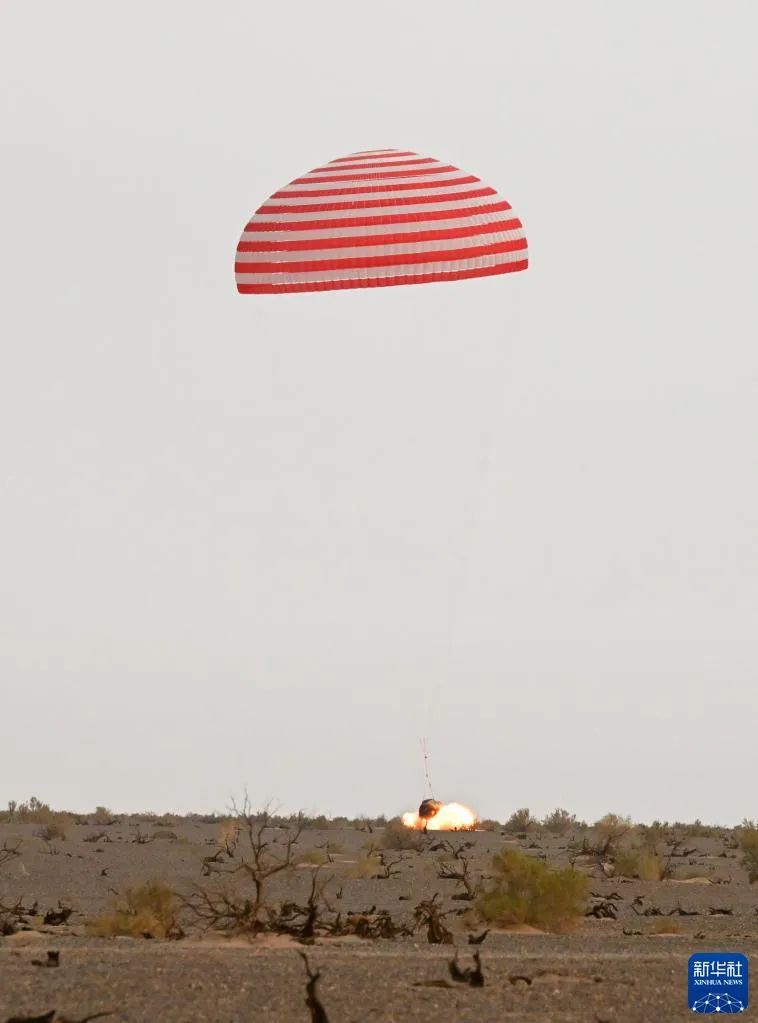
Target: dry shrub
[(54, 823), (528, 891), (102, 816), (700, 871), (488, 825), (316, 857), (33, 810), (95, 836), (614, 826), (319, 822), (370, 824), (7, 852), (649, 867), (520, 820), (267, 847), (55, 830), (135, 819), (165, 834), (608, 833), (366, 866), (626, 862), (6, 816), (661, 925), (396, 836), (559, 822), (639, 863), (228, 835), (149, 911), (694, 829), (749, 846)]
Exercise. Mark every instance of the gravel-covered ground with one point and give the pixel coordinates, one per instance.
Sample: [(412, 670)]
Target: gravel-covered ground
[(605, 970)]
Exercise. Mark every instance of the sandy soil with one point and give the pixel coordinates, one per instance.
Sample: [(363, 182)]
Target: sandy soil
[(596, 973)]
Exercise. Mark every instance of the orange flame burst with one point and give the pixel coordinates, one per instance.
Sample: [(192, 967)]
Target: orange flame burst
[(449, 817)]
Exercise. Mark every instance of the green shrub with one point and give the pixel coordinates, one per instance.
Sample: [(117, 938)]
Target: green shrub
[(527, 891), (148, 912)]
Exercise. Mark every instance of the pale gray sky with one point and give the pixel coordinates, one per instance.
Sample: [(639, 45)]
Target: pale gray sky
[(274, 540)]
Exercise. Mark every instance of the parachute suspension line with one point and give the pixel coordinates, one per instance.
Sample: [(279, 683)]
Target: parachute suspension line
[(471, 516), (473, 506), (427, 779), (472, 513)]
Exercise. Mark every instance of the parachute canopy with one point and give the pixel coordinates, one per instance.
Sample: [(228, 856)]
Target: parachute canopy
[(376, 218)]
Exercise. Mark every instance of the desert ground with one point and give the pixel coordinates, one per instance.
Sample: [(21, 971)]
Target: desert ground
[(64, 889)]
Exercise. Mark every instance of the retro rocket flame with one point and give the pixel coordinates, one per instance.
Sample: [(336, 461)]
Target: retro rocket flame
[(449, 817)]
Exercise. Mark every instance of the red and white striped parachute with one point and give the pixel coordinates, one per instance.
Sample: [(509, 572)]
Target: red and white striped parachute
[(375, 218)]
